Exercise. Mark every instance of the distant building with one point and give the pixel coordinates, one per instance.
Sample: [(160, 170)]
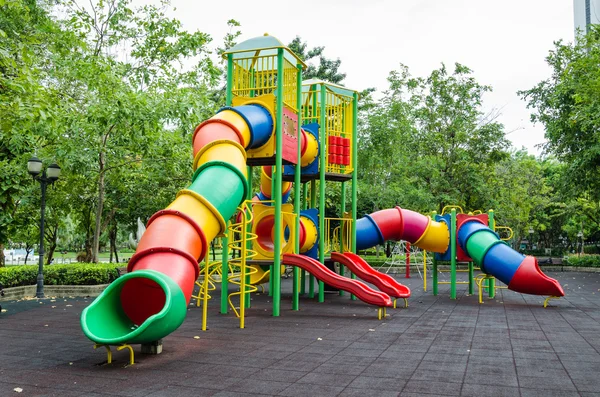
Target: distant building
[(585, 12)]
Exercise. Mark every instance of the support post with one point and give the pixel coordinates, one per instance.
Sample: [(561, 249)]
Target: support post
[(297, 192), (313, 204), (354, 173), (322, 167), (276, 275), (302, 272), (341, 234), (225, 270), (407, 261), (453, 254), (491, 281)]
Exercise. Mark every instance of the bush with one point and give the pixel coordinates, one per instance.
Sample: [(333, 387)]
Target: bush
[(582, 261), (73, 274)]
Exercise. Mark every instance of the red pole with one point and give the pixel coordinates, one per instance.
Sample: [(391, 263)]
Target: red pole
[(407, 260)]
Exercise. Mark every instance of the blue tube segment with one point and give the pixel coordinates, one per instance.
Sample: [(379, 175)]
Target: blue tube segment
[(467, 230), (259, 122), (446, 255), (502, 262), (367, 233)]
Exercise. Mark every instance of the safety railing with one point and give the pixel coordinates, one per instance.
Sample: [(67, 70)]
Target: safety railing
[(338, 236), (240, 242)]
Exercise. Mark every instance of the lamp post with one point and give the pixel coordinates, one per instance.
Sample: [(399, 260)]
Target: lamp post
[(531, 237), (580, 236), (48, 176)]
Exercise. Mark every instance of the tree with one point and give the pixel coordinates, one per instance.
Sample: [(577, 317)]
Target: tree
[(428, 143), (567, 105), (26, 104), (327, 69), (120, 104)]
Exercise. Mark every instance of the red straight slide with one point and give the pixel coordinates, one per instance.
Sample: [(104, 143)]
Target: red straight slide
[(362, 269), (358, 288)]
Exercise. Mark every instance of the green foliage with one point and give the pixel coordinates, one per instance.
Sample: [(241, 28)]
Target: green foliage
[(567, 105), (327, 69), (73, 274), (582, 260)]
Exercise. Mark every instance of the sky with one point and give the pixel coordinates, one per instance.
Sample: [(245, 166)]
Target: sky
[(504, 42)]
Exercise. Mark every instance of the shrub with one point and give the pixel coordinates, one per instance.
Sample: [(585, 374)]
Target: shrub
[(72, 274), (582, 261)]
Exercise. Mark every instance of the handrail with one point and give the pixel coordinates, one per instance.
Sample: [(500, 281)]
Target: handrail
[(241, 245), (449, 207)]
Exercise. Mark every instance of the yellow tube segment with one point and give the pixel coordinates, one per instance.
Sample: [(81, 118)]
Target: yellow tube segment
[(238, 123), (312, 150), (310, 233), (223, 150), (436, 237), (201, 211), (266, 184)]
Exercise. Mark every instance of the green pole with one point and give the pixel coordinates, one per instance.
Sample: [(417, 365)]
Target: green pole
[(354, 174), (434, 268), (272, 266), (322, 166), (277, 191), (297, 188), (225, 270), (313, 204), (491, 281), (453, 254), (343, 210), (471, 286), (229, 94), (302, 272), (434, 275)]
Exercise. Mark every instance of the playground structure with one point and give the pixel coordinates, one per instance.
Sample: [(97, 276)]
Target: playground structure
[(298, 133)]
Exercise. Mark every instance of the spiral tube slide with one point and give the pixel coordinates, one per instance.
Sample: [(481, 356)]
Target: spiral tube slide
[(151, 300), (358, 288), (520, 273), (362, 269)]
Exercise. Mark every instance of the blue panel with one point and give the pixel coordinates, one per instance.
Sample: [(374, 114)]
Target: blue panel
[(259, 122), (367, 233), (446, 255), (502, 262)]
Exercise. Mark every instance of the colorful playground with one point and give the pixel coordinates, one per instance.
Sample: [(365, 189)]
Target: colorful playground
[(290, 307), (298, 133)]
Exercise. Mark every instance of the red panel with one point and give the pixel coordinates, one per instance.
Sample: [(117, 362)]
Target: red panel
[(461, 255)]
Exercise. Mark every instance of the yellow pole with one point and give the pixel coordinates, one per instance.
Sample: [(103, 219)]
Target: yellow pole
[(424, 271), (205, 288), (243, 269)]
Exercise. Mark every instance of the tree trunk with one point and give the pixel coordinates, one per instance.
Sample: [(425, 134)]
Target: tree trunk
[(1, 255), (51, 238), (99, 208), (28, 249), (112, 237)]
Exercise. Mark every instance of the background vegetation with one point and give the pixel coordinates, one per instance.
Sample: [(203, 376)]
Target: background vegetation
[(113, 93)]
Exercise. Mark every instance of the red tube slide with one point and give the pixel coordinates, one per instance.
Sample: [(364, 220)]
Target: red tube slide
[(360, 289)]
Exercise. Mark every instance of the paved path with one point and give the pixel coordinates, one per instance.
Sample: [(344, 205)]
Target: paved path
[(509, 346)]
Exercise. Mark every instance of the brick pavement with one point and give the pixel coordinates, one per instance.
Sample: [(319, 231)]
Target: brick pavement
[(509, 346)]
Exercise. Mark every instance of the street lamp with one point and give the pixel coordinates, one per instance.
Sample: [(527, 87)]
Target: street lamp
[(531, 237), (580, 236), (48, 176)]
